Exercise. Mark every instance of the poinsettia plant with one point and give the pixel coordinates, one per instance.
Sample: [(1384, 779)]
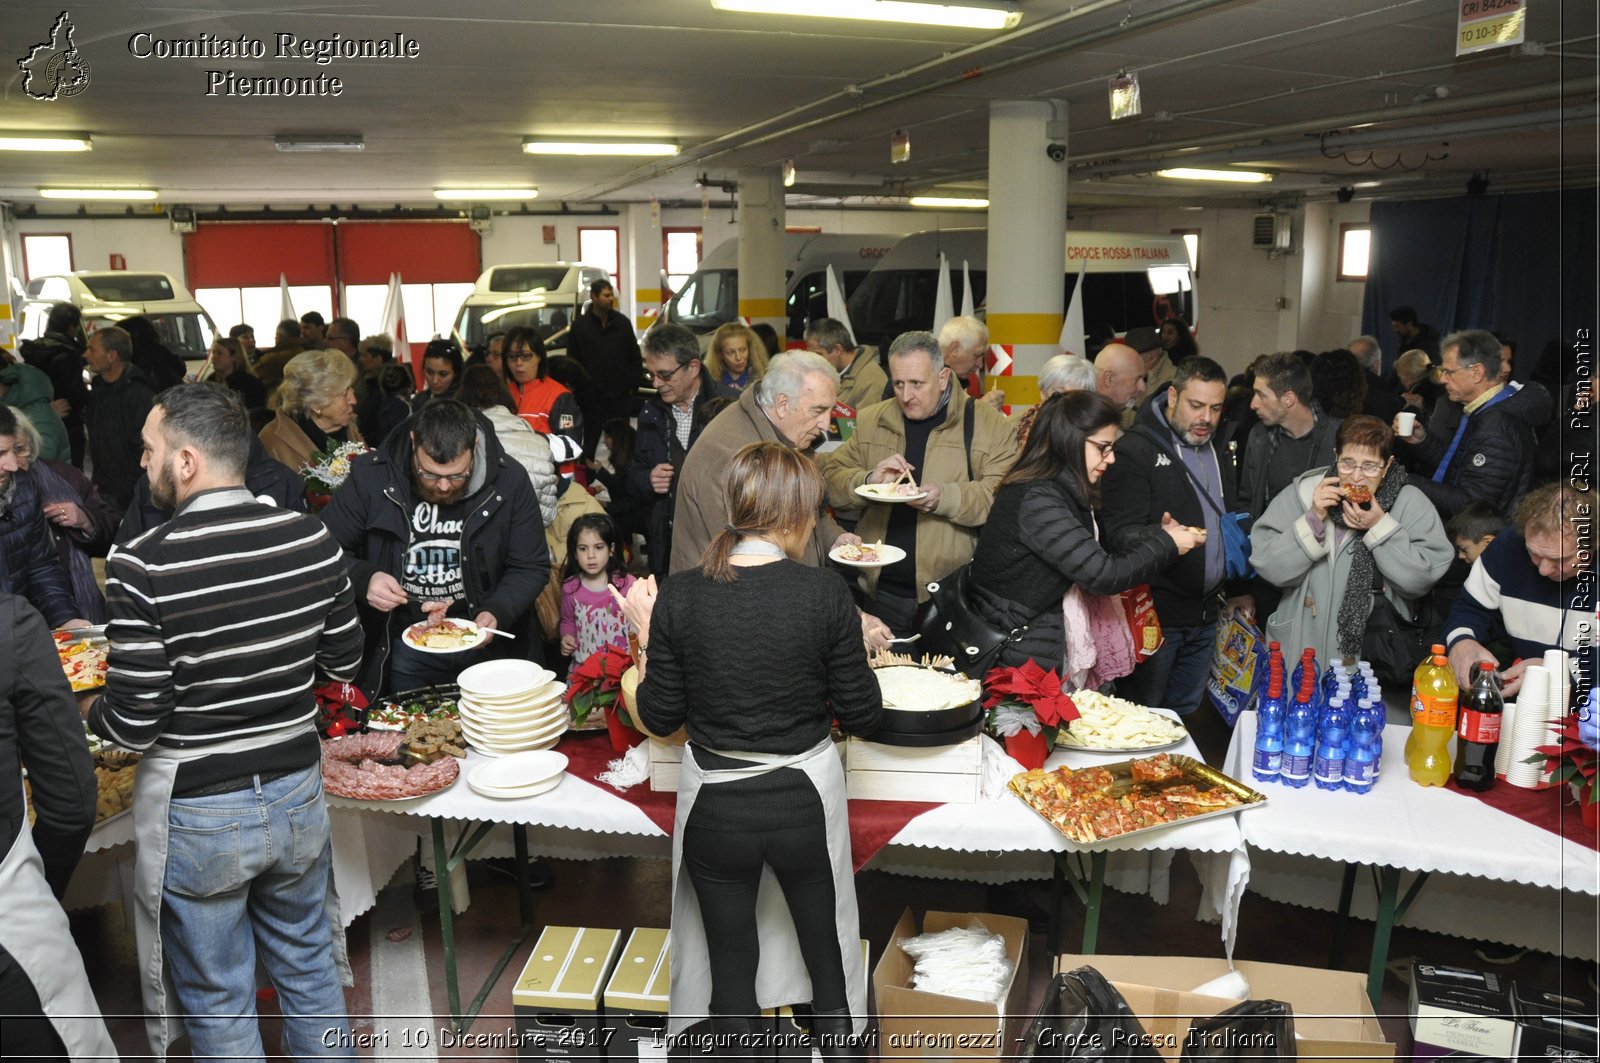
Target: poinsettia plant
[(1570, 760), (1027, 698), (341, 709), (597, 684)]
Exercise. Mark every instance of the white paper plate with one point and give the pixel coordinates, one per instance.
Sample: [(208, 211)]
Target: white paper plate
[(506, 750), (887, 555), (503, 735), (866, 491), (504, 678), (514, 794), (541, 699), (479, 637), (516, 725), (522, 770)]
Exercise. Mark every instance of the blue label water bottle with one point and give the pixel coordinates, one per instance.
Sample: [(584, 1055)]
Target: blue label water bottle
[(1366, 748), (1267, 756), (1300, 734), (1327, 770)]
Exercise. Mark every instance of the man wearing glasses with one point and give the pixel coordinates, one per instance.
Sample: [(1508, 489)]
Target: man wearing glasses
[(438, 522), (668, 427), (1478, 446)]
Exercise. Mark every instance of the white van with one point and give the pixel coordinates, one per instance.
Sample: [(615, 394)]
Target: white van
[(710, 297), (547, 296), (109, 296), (1131, 279)]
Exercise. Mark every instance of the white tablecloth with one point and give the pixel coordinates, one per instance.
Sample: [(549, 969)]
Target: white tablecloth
[(1495, 874)]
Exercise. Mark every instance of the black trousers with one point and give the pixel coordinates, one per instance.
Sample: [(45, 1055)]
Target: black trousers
[(25, 1033), (725, 868)]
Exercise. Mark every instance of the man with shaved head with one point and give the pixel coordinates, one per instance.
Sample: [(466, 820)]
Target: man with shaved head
[(1119, 375)]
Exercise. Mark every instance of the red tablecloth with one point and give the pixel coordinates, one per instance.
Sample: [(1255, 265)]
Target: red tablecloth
[(872, 823), (1553, 810)]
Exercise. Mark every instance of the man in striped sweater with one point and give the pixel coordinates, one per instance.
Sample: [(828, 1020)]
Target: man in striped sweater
[(221, 619)]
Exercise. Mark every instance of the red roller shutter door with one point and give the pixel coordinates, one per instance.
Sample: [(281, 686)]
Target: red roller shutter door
[(253, 254), (422, 252)]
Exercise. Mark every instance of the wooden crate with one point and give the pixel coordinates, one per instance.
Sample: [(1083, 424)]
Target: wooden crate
[(948, 774)]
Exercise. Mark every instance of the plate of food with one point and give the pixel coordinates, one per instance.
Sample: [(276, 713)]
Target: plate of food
[(1113, 801), (896, 492), (864, 556), (399, 711), (1108, 724), (377, 766), (83, 657), (444, 634)]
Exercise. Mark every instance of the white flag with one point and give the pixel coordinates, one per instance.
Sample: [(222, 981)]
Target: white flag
[(836, 304), (943, 310), (966, 290), (285, 304), (1072, 331), (393, 320)]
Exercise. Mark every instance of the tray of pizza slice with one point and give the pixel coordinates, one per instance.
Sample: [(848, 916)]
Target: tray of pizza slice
[(1112, 802)]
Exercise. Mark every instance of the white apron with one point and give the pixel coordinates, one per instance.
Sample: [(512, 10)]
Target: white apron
[(781, 977), (36, 933), (152, 791)]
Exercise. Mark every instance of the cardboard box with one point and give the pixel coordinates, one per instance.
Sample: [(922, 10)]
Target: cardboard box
[(1456, 1009), (1554, 1026), (636, 997), (948, 774), (1333, 1019), (557, 999), (919, 1025)]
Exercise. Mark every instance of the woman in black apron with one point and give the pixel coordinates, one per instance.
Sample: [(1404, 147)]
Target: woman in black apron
[(756, 654)]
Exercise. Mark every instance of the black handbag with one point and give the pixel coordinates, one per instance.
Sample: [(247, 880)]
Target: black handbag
[(949, 626), (1392, 643)]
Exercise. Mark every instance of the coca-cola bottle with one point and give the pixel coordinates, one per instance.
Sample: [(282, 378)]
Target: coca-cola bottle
[(1478, 729)]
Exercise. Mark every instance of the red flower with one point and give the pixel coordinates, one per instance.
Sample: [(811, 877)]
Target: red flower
[(1033, 686), (1570, 759), (597, 682)]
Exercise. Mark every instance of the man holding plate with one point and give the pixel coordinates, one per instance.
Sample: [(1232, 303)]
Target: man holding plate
[(952, 448)]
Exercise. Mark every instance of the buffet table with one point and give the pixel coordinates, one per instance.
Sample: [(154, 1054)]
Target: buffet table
[(1402, 828)]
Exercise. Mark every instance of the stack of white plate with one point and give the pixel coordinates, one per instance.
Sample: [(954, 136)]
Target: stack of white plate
[(519, 775), (510, 706)]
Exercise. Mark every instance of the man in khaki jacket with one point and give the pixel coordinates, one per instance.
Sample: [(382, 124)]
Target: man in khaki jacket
[(861, 380), (924, 431)]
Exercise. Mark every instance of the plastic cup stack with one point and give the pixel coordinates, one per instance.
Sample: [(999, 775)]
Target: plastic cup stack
[(1556, 664), (1508, 737), (1528, 730)]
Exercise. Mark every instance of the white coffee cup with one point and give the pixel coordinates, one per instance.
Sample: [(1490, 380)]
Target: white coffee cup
[(1405, 424)]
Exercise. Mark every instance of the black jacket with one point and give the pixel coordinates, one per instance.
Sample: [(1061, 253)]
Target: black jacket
[(1254, 488), (1039, 541), (505, 563), (1494, 462), (115, 418), (40, 730), (61, 358), (1139, 487), (657, 444), (29, 565), (609, 353), (269, 479)]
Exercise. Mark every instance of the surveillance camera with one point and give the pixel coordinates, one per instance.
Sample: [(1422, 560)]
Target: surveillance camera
[(1346, 194), (1057, 152)]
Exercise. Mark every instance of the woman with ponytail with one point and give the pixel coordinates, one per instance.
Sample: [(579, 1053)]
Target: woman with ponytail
[(762, 789)]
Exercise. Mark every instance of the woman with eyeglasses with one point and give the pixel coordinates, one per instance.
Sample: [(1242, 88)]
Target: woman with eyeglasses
[(545, 403), (1340, 534), (1041, 540)]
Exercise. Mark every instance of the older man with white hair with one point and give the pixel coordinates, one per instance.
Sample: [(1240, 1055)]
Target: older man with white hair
[(1120, 375), (964, 343), (1383, 396)]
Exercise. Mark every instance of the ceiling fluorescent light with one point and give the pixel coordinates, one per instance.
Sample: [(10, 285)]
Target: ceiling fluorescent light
[(335, 143), (948, 201), (98, 193), (1190, 173), (540, 146), (960, 16), (484, 194), (44, 142)]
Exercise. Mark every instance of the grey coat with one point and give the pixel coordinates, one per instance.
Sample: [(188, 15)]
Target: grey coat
[(1408, 547)]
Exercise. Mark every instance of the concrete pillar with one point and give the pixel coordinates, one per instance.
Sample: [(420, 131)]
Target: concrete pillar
[(1027, 238), (761, 280), (644, 258)]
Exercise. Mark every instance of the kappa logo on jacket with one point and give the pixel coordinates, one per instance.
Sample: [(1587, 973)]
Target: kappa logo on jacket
[(1162, 459)]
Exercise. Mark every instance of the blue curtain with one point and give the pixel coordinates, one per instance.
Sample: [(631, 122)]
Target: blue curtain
[(1521, 265)]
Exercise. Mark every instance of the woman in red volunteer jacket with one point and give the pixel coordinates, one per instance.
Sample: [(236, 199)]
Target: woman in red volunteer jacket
[(542, 401)]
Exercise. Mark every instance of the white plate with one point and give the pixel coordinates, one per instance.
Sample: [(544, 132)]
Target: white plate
[(506, 750), (491, 716), (503, 678), (1063, 742), (887, 555), (519, 734), (522, 770), (498, 794), (479, 636), (534, 699), (867, 492)]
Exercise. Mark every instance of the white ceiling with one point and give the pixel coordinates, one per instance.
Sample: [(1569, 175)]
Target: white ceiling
[(751, 91)]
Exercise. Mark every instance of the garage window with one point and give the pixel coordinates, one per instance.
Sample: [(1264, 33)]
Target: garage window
[(44, 254), (603, 248), (1355, 252)]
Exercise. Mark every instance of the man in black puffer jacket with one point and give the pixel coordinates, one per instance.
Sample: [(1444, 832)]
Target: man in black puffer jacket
[(59, 353), (438, 515), (1478, 445)]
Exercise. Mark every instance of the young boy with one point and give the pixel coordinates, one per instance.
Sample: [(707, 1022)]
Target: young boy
[(1472, 529)]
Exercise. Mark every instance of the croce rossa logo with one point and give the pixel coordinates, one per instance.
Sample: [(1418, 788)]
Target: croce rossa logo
[(55, 68)]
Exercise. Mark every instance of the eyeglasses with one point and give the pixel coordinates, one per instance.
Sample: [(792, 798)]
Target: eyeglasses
[(1105, 448), (661, 378), (1366, 468), (520, 356), (1444, 370), (428, 476)]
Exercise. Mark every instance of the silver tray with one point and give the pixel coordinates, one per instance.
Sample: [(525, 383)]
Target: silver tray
[(1194, 771)]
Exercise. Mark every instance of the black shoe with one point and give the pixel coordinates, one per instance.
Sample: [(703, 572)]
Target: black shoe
[(833, 1033), (540, 874), (1499, 955), (425, 890)]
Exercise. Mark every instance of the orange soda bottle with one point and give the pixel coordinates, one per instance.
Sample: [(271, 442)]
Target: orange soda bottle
[(1433, 707), (1436, 650)]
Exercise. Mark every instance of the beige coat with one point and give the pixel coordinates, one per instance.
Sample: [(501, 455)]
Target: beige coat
[(863, 381), (287, 442), (946, 537), (702, 507)]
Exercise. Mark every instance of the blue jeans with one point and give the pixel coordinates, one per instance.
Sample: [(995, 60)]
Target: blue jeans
[(247, 877), (410, 669), (1175, 675)]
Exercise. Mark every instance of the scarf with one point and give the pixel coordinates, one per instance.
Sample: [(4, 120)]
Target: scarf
[(1356, 604)]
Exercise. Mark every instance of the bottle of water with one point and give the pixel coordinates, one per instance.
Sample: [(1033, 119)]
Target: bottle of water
[(1267, 760), (1366, 748), (1327, 770), (1300, 734)]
